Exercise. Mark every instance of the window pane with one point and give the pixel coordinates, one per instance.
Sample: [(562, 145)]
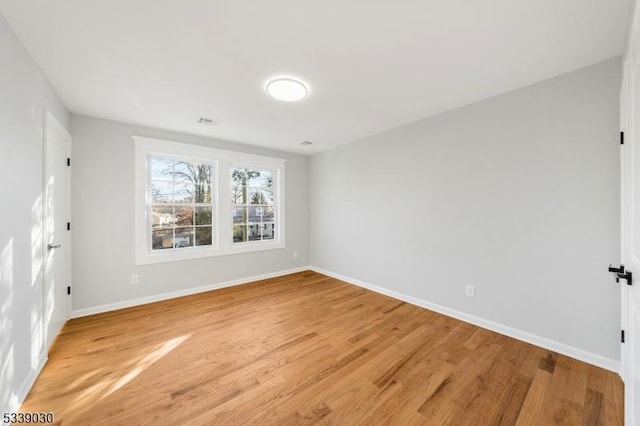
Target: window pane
[(239, 175), (203, 236), (184, 192), (196, 173), (183, 171), (240, 215), (162, 216), (203, 215), (202, 193), (265, 179), (161, 168), (239, 233), (240, 195), (252, 178), (259, 178), (162, 239), (184, 216), (268, 214), (203, 174), (260, 196), (183, 237), (161, 192), (255, 214), (254, 231), (236, 194), (268, 231)]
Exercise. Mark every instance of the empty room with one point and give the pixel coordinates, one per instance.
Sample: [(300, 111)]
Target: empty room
[(343, 213)]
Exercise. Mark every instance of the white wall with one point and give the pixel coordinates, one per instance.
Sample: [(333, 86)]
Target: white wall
[(24, 95), (517, 195), (103, 227)]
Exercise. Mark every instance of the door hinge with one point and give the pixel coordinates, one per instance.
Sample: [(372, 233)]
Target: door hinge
[(69, 289), (622, 336), (68, 162), (621, 138), (68, 226)]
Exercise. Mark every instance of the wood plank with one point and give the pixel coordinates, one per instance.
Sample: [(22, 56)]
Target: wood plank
[(533, 402), (309, 349)]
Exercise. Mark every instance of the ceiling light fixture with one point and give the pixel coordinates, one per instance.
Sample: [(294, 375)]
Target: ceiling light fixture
[(286, 89)]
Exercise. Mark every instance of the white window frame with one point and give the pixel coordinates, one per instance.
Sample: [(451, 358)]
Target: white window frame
[(222, 218), (276, 190)]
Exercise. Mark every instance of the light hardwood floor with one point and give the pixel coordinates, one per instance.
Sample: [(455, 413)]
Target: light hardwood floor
[(306, 348)]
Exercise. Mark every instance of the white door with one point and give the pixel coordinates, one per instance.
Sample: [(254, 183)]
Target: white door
[(630, 173), (57, 256)]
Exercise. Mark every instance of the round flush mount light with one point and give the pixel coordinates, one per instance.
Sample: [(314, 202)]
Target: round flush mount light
[(286, 89)]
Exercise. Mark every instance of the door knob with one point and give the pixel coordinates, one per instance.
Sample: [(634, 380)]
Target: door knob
[(53, 246)]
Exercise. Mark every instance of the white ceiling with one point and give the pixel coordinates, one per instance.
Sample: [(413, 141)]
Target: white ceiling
[(371, 65)]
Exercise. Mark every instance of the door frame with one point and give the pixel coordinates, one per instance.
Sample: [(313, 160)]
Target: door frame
[(51, 124)]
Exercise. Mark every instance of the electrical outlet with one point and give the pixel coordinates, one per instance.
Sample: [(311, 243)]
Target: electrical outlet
[(470, 290), (135, 279), (295, 254)]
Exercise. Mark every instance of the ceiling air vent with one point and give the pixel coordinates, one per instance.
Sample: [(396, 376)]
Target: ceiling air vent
[(207, 121), (305, 143)]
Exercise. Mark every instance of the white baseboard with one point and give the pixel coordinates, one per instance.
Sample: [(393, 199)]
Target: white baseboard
[(552, 345), (179, 293)]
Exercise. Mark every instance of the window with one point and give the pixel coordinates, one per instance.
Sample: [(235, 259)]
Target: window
[(194, 202), (181, 204), (253, 202)]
